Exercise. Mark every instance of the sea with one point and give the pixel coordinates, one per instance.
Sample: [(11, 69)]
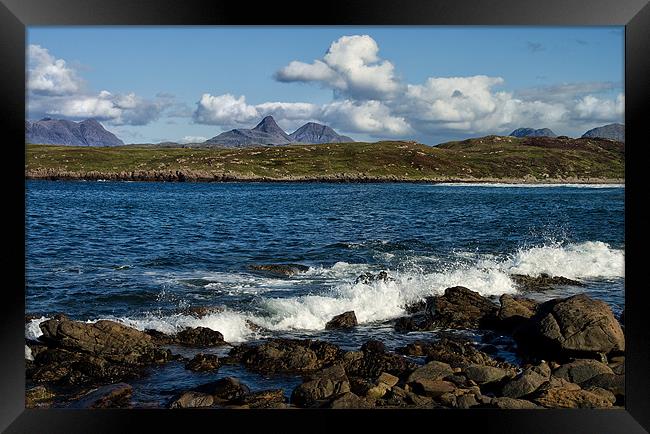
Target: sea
[(145, 253)]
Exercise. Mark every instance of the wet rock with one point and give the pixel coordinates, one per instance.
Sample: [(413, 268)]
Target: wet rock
[(367, 278), (461, 308), (418, 322), (224, 390), (160, 338), (527, 382), (573, 326), (321, 386), (542, 282), (273, 398), (280, 269), (418, 306), (203, 363), (349, 400), (192, 400), (110, 396), (286, 355), (431, 371), (38, 396), (482, 374), (201, 311), (511, 403), (581, 370), (199, 337), (374, 360), (453, 351), (343, 321), (105, 339), (514, 311)]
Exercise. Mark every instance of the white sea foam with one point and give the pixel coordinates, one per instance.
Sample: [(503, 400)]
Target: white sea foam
[(32, 329), (382, 300), (28, 354)]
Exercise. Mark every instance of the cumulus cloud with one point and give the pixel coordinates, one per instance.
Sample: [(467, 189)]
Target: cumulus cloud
[(55, 89), (49, 75), (351, 66), (193, 139), (591, 108)]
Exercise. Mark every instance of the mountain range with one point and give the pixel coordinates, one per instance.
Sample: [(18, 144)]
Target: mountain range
[(63, 132), (531, 132), (611, 131), (267, 132)]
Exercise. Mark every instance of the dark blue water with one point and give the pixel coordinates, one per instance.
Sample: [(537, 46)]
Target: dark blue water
[(143, 253)]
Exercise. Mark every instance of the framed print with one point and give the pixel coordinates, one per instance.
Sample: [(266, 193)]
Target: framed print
[(372, 214)]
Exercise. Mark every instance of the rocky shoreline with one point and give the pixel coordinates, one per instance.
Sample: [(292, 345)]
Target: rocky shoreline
[(571, 351), (205, 176)]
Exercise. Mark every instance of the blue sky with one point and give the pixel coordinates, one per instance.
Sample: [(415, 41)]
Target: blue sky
[(430, 84)]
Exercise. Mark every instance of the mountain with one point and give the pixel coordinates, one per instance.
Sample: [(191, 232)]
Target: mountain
[(611, 131), (266, 132), (62, 132), (312, 132), (530, 132)]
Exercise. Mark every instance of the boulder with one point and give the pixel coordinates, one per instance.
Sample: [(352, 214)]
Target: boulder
[(108, 340), (564, 397), (506, 403), (573, 326), (461, 308), (349, 400), (581, 370), (432, 388), (224, 390), (110, 396), (203, 363), (273, 398), (612, 382), (38, 396), (431, 371), (482, 374), (280, 269), (514, 311), (373, 360), (531, 379), (286, 355), (456, 352), (321, 386), (345, 320), (192, 400), (199, 337), (543, 282)]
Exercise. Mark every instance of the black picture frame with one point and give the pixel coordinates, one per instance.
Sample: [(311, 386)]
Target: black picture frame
[(16, 15)]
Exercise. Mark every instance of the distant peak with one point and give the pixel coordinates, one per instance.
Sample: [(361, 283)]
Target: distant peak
[(268, 125)]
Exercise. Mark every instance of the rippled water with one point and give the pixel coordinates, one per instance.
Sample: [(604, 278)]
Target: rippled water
[(142, 253)]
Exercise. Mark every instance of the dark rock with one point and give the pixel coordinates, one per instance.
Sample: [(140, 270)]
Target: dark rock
[(467, 400), (373, 346), (542, 282), (321, 386), (565, 397), (110, 396), (418, 322), (432, 388), (612, 382), (374, 360), (455, 352), (203, 363), (514, 311), (192, 400), (575, 326), (581, 370), (160, 338), (286, 355), (343, 321), (461, 308), (227, 389), (418, 306), (367, 278), (511, 403), (199, 337), (105, 339), (280, 269)]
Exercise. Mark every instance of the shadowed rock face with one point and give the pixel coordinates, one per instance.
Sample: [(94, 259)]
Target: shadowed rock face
[(531, 132), (611, 131), (62, 132)]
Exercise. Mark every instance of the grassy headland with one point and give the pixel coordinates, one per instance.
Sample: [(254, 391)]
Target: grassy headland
[(486, 159)]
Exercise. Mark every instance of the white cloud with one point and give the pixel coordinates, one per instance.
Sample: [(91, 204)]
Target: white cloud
[(54, 89), (48, 75), (596, 109), (351, 67), (371, 117), (193, 139), (224, 110)]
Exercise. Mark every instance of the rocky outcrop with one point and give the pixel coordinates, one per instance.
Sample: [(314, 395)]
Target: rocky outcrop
[(456, 352), (514, 311), (581, 370), (199, 337), (320, 387), (109, 396), (373, 360), (203, 363), (543, 282), (574, 326), (345, 320), (462, 308), (280, 269), (286, 355)]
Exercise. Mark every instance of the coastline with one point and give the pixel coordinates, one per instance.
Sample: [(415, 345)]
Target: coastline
[(202, 177)]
